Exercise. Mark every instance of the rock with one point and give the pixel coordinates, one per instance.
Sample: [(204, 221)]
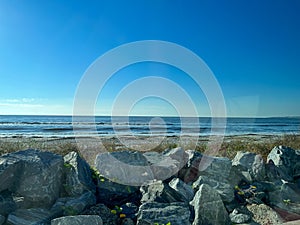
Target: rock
[(30, 216), (157, 191), (287, 197), (296, 222), (286, 215), (78, 175), (287, 160), (240, 216), (125, 167), (190, 172), (78, 220), (105, 213), (7, 204), (121, 174), (250, 165), (73, 205), (186, 191), (209, 208), (172, 160), (224, 189), (177, 154), (275, 174), (216, 168), (220, 176), (264, 215), (163, 213), (2, 219), (153, 157), (32, 174)]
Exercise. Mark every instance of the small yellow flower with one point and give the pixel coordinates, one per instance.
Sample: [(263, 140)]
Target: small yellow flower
[(122, 215)]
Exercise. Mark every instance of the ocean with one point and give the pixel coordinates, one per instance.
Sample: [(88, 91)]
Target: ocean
[(62, 126)]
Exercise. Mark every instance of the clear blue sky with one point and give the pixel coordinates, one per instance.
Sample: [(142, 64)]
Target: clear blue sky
[(252, 47)]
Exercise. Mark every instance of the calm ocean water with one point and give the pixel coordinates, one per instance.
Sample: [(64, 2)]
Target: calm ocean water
[(62, 126)]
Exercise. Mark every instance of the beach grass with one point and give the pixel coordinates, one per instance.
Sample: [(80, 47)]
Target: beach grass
[(262, 147), (17, 144), (231, 145)]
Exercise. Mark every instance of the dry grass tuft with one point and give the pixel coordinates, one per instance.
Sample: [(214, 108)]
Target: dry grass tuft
[(260, 144)]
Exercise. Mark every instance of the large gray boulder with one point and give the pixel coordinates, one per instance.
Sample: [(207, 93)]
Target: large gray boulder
[(240, 216), (287, 160), (153, 157), (186, 191), (158, 191), (287, 197), (223, 187), (73, 205), (276, 175), (120, 175), (190, 172), (250, 165), (124, 167), (216, 168), (220, 176), (78, 220), (34, 216), (78, 175), (163, 213), (172, 160), (209, 208), (34, 175)]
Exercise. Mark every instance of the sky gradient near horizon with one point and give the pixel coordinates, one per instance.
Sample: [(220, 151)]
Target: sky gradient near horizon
[(252, 47)]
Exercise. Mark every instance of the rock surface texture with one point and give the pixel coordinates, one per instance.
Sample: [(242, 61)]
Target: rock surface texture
[(163, 213), (77, 220), (34, 175), (175, 187), (209, 208)]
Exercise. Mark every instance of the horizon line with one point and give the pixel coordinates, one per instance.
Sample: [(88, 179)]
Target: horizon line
[(186, 116)]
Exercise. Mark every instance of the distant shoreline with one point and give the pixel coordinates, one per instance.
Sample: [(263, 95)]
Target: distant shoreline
[(164, 116)]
